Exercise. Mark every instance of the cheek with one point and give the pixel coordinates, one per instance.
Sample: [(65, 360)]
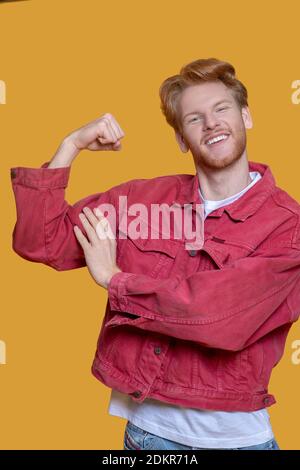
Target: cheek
[(238, 125), (194, 137), (239, 131)]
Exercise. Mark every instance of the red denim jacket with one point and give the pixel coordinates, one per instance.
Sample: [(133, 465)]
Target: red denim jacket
[(200, 328)]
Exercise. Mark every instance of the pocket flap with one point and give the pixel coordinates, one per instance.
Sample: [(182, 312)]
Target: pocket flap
[(169, 247)]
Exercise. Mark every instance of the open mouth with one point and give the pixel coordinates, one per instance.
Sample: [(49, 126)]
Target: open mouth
[(217, 141)]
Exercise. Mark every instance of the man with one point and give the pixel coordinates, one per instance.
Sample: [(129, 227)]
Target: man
[(190, 336)]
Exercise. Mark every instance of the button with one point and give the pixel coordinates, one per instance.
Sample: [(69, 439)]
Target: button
[(137, 394), (157, 350), (192, 252), (13, 173), (266, 400)]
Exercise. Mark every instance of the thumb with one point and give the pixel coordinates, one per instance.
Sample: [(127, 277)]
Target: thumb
[(117, 145)]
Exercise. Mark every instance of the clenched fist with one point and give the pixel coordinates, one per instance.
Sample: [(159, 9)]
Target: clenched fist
[(103, 133)]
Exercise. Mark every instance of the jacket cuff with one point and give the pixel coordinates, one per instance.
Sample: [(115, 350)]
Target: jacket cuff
[(42, 177), (116, 290)]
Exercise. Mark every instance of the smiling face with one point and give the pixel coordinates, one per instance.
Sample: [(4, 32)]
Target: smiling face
[(209, 110)]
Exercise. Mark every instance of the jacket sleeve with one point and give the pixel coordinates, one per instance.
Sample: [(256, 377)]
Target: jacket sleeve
[(43, 231), (228, 308)]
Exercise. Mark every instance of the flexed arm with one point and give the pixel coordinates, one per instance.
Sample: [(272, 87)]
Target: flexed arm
[(44, 228)]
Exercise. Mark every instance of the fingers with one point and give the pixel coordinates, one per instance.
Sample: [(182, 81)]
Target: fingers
[(89, 222), (106, 136), (90, 216), (114, 124), (103, 228), (120, 131), (96, 226), (112, 130), (81, 238)]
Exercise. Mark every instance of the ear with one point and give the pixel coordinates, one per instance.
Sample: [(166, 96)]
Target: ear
[(181, 142), (247, 117)]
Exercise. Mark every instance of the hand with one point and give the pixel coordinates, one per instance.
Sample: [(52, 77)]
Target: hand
[(103, 133), (100, 247)]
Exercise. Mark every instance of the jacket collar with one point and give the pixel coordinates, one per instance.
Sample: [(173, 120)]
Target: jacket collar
[(243, 207)]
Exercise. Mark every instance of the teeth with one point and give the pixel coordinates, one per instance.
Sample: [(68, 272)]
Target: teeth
[(216, 139)]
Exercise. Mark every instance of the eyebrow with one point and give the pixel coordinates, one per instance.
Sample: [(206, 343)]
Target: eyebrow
[(216, 104)]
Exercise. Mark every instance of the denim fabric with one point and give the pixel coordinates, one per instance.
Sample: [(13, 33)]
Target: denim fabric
[(136, 438), (197, 327)]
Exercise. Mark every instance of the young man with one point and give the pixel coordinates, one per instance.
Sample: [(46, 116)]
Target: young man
[(190, 334)]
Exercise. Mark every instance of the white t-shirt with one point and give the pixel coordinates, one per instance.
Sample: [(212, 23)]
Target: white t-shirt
[(196, 427)]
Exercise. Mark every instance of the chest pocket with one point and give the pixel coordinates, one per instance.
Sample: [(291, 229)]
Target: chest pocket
[(225, 252), (153, 257)]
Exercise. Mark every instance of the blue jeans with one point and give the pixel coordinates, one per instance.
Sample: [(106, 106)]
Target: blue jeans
[(136, 438)]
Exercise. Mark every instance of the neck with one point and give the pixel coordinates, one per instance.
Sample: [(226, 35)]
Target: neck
[(220, 183)]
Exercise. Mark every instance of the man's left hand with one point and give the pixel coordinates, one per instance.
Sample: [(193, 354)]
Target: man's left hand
[(99, 251)]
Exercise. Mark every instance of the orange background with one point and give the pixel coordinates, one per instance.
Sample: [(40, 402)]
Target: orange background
[(64, 63)]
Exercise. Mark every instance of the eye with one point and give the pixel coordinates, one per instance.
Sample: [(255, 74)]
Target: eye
[(193, 119), (222, 109)]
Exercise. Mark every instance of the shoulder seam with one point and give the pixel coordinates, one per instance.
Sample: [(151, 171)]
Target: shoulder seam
[(295, 236), (274, 193)]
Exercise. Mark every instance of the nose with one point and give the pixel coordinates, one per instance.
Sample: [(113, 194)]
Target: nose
[(210, 121)]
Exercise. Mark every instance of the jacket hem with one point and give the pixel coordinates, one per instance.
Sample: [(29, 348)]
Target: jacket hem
[(218, 400)]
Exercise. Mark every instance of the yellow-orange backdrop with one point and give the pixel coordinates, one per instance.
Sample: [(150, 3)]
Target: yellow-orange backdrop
[(64, 63)]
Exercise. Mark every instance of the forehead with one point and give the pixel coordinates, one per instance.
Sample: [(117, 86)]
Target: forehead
[(203, 95)]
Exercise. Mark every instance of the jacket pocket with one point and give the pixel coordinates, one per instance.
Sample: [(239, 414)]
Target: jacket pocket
[(229, 371), (122, 345), (224, 252), (153, 257)]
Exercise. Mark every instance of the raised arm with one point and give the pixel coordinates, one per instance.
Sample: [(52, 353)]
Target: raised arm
[(44, 228)]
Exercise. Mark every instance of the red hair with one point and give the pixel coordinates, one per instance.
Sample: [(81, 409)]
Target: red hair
[(196, 72)]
